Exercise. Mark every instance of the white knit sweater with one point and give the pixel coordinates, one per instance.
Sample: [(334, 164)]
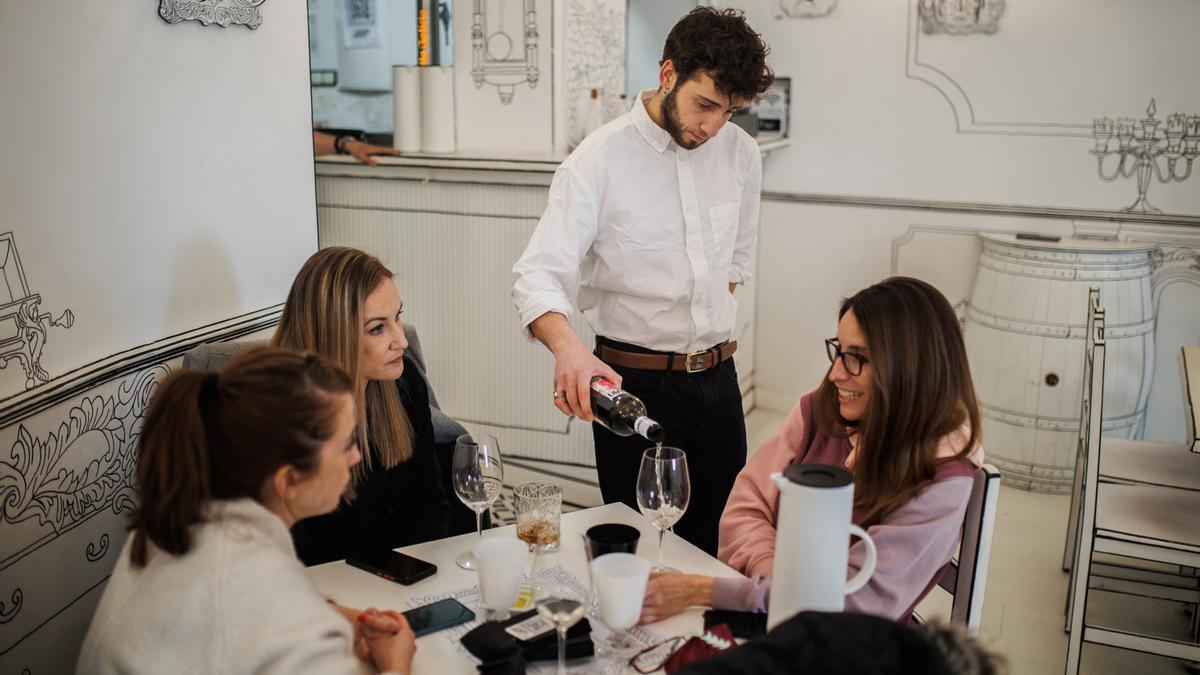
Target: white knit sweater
[(238, 602)]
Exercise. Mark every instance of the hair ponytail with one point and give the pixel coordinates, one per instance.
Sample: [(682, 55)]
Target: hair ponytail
[(207, 438), (172, 468)]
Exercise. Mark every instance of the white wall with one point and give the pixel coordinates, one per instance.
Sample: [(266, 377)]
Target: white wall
[(157, 181), (882, 110)]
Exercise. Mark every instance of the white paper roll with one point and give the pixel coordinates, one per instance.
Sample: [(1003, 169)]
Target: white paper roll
[(406, 93), (437, 109)]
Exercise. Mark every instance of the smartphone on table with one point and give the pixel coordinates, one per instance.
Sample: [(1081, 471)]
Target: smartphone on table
[(391, 565), (435, 616)]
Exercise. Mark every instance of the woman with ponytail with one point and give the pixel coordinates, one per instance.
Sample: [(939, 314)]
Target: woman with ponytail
[(897, 409), (344, 306), (208, 580)]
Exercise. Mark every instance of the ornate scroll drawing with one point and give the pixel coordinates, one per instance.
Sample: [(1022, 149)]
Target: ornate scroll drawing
[(6, 614), (961, 17), (804, 9), (96, 551), (494, 56), (39, 479), (23, 328), (208, 12)]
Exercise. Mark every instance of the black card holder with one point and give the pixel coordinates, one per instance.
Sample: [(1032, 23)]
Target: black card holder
[(745, 625), (489, 642)]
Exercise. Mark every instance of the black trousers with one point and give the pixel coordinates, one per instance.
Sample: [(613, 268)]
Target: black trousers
[(702, 415)]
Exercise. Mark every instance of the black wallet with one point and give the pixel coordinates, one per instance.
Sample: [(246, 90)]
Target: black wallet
[(502, 653), (745, 625)]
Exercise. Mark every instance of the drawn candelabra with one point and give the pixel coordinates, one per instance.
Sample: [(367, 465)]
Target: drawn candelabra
[(1140, 144)]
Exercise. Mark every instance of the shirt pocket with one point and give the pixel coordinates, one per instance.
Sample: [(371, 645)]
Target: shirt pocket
[(723, 220)]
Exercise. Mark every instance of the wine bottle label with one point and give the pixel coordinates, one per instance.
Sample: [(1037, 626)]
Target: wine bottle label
[(642, 425), (606, 389)]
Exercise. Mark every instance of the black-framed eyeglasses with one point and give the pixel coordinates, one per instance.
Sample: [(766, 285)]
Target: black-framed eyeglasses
[(852, 362)]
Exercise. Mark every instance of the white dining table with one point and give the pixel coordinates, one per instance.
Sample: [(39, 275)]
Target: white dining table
[(436, 654)]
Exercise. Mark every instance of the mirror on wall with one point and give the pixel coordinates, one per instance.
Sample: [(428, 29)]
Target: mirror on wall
[(353, 45)]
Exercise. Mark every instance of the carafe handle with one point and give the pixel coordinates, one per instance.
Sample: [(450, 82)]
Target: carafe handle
[(864, 575)]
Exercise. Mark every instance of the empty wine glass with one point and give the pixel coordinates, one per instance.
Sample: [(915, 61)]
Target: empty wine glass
[(563, 613), (478, 476), (663, 491)]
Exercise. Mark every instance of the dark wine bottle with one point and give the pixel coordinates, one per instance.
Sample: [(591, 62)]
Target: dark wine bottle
[(623, 413)]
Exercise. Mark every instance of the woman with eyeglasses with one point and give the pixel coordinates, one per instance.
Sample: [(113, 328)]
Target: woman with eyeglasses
[(897, 409)]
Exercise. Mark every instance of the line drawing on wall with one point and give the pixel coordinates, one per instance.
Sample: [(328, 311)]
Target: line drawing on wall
[(494, 60), (960, 17), (965, 119), (596, 44), (804, 9), (23, 327), (69, 475), (209, 12), (1143, 142)]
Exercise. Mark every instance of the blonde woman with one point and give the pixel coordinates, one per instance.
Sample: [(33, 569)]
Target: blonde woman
[(344, 306)]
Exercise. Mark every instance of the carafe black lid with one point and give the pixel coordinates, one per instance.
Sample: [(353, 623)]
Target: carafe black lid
[(818, 475)]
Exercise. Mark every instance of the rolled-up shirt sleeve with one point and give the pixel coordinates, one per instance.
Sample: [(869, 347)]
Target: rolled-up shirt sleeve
[(546, 275), (748, 213)]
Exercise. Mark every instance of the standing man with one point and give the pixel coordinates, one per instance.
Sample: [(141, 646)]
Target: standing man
[(651, 224)]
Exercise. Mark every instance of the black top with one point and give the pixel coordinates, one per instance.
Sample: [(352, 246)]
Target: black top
[(395, 507), (835, 644)]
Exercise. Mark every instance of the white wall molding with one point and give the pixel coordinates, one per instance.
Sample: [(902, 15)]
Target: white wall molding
[(1119, 218)]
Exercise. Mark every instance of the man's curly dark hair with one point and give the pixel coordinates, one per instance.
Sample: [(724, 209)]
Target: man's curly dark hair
[(720, 43)]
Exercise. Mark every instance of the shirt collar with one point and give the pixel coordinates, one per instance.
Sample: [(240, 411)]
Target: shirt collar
[(656, 136)]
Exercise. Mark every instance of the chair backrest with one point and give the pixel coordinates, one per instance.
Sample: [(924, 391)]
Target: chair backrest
[(966, 578), (1087, 470)]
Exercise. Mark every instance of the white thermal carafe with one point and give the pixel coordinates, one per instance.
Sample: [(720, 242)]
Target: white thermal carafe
[(812, 542)]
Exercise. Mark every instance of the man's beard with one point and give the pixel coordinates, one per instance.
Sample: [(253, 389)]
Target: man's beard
[(672, 125)]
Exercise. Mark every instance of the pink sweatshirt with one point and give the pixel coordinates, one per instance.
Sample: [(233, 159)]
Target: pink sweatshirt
[(914, 543)]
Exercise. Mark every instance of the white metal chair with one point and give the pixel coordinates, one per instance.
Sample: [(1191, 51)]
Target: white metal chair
[(965, 578), (1127, 461), (1142, 522)]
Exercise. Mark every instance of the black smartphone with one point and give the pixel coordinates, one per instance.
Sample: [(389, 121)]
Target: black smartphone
[(393, 566), (745, 625), (435, 616)]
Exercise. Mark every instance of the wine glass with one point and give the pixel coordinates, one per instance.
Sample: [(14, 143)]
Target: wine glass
[(563, 613), (663, 491), (478, 476)]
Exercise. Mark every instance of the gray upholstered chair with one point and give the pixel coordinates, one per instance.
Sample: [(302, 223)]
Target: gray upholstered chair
[(211, 356)]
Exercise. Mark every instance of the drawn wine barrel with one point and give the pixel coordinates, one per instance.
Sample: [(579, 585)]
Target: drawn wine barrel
[(1024, 333)]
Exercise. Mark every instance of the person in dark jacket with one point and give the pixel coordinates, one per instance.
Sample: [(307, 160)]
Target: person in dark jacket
[(344, 306), (854, 644)]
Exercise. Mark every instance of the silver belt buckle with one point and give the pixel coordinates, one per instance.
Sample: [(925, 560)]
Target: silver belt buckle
[(694, 362)]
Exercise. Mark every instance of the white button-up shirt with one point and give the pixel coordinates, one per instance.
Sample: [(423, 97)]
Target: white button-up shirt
[(645, 235)]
